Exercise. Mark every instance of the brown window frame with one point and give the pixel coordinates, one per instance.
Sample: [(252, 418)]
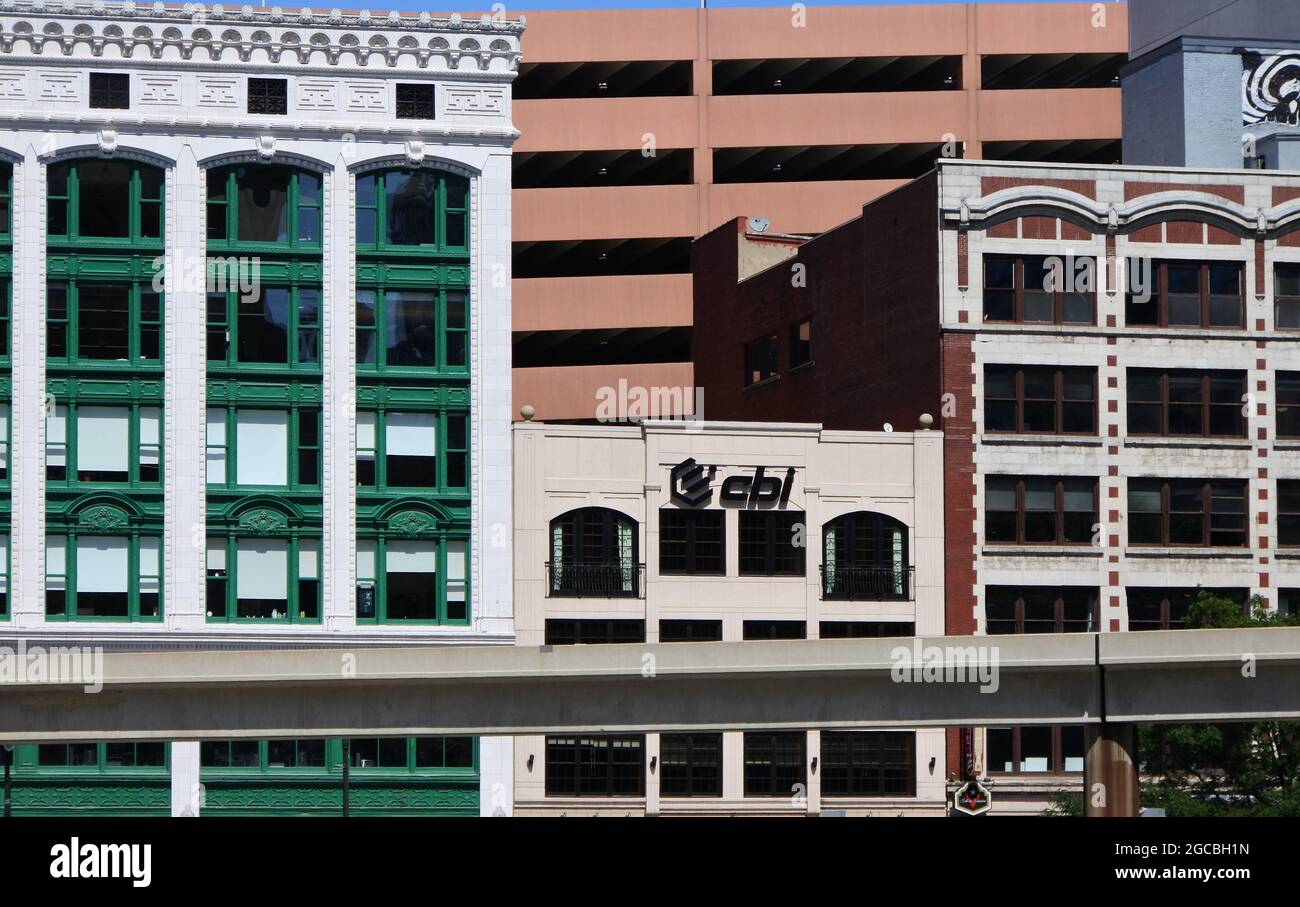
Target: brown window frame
[(1018, 291), (1291, 407), (793, 342), (774, 340), (1021, 511), (1167, 599), (1279, 298), (1207, 406), (864, 770), (1160, 298), (1206, 513), (1288, 519), (1059, 400), (1057, 766), (1058, 609)]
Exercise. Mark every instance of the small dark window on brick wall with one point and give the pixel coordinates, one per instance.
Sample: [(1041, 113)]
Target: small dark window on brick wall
[(414, 102), (110, 91), (268, 96)]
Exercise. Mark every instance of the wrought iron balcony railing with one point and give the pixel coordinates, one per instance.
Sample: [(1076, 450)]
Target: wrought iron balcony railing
[(866, 583), (594, 580)]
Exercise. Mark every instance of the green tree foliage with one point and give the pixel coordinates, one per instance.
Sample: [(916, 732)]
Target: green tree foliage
[(1230, 769)]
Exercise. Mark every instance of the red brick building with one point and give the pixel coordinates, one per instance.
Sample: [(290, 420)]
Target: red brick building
[(1111, 354)]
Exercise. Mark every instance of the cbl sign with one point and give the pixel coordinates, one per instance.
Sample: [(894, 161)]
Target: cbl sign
[(692, 485)]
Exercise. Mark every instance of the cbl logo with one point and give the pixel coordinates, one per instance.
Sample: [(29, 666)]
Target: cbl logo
[(692, 485)]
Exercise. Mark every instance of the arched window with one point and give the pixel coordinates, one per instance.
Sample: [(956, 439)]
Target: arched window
[(413, 562), (594, 553), (413, 418), (104, 311), (412, 210), (6, 261), (264, 204), (264, 314), (412, 271), (103, 561), (264, 564), (104, 201), (865, 557)]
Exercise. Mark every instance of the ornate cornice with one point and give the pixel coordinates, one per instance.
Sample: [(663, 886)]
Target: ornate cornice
[(1052, 201), (153, 31)]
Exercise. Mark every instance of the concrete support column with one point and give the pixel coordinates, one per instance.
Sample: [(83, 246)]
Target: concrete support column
[(339, 397), (652, 774), (187, 792), (496, 776), (27, 408), (491, 554), (185, 400), (1110, 780), (814, 773)]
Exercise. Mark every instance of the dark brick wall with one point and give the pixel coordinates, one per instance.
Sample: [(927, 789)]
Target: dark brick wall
[(871, 289), (958, 485)]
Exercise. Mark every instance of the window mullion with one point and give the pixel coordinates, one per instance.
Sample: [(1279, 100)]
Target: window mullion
[(1018, 285), (381, 211), (1207, 496), (292, 200), (1166, 514), (74, 201), (1058, 495), (70, 576), (1020, 399), (133, 576), (1020, 511), (133, 206), (381, 577)]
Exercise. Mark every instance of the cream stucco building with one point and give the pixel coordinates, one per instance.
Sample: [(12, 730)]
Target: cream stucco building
[(691, 531)]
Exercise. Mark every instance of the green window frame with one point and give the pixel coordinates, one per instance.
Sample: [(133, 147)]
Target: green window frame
[(69, 567), (6, 310), (303, 425), (142, 454), (233, 552), (403, 756), (270, 757), (6, 557), (449, 589), (71, 326), (6, 204), (74, 218), (381, 312), (142, 756), (6, 437), (413, 755), (298, 220), (237, 340), (379, 430), (412, 210)]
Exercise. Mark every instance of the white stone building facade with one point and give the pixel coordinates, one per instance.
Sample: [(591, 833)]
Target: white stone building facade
[(186, 112)]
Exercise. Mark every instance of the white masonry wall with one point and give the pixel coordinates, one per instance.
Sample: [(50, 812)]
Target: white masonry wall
[(188, 75)]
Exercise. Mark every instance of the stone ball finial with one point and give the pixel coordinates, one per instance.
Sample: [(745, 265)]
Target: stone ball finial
[(527, 411), (926, 420)]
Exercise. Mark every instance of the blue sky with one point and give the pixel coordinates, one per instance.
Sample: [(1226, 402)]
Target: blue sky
[(513, 6)]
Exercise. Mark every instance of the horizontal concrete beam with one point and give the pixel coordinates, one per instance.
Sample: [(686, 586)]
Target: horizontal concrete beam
[(1042, 679), (1201, 675)]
